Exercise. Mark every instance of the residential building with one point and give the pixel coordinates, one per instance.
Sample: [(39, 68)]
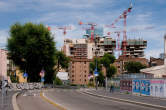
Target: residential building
[(79, 71), (120, 62), (156, 61), (158, 71), (82, 51)]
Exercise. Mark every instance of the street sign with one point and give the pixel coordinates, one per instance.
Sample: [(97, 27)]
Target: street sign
[(42, 79), (25, 75), (42, 73), (96, 72)]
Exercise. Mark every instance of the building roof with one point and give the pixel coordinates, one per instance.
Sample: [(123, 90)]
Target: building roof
[(157, 70)]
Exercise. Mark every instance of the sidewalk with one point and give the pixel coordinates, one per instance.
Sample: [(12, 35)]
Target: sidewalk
[(142, 99)]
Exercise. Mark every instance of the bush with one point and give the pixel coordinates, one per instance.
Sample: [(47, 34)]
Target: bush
[(57, 81), (14, 78)]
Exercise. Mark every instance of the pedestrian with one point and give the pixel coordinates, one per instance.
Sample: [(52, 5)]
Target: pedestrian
[(111, 89)]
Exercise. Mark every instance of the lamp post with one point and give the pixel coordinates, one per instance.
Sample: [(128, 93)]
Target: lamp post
[(96, 71)]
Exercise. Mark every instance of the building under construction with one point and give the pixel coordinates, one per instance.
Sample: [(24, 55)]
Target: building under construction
[(134, 47), (84, 48), (82, 51)]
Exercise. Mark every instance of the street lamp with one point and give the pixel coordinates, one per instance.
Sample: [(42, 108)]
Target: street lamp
[(96, 50)]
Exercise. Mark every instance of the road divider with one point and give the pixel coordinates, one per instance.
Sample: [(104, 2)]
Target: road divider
[(128, 101), (51, 102)]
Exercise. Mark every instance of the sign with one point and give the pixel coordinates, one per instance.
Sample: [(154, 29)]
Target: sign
[(145, 87), (42, 73), (96, 72), (25, 75), (158, 87), (136, 86), (42, 79)]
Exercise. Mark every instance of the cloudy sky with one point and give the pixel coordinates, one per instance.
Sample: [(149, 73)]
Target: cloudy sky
[(146, 21)]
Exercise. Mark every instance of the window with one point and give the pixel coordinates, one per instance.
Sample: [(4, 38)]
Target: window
[(72, 75), (85, 75), (72, 80), (85, 80), (84, 62)]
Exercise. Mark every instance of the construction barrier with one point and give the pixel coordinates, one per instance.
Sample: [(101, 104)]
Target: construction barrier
[(141, 87), (126, 85), (158, 88), (148, 87)]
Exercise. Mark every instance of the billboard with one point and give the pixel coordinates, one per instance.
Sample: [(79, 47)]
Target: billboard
[(136, 86), (145, 87), (157, 88), (141, 86), (126, 85)]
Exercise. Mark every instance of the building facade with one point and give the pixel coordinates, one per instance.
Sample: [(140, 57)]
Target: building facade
[(3, 64), (120, 62), (82, 52), (134, 47), (79, 71)]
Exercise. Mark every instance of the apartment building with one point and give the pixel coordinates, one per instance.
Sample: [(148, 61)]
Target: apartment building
[(82, 51), (120, 62)]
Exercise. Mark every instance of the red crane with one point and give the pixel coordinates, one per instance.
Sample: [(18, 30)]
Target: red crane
[(65, 28), (92, 28), (124, 17)]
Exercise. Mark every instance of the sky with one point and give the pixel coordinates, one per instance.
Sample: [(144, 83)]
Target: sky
[(145, 21)]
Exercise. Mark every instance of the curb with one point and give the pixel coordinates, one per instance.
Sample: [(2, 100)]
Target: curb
[(128, 101), (14, 102), (51, 102)]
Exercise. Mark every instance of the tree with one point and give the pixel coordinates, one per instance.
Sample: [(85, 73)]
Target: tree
[(111, 71), (133, 67), (32, 49), (62, 61), (106, 60), (92, 67)]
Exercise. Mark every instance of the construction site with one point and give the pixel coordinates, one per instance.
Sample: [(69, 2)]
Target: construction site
[(95, 44)]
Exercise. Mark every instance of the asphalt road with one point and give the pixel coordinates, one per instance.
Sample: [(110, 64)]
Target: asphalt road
[(6, 104), (33, 103), (73, 100)]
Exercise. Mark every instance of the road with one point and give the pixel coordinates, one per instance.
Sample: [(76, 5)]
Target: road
[(33, 103), (6, 104), (73, 100)]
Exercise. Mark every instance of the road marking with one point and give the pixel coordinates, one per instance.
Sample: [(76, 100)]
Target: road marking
[(51, 102)]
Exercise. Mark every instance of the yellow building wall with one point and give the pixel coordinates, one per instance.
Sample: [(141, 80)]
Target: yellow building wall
[(20, 75)]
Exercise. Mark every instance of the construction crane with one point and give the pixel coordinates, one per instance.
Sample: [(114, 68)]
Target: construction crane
[(92, 28), (64, 28), (124, 17)]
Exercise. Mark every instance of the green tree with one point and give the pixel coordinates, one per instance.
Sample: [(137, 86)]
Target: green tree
[(62, 61), (57, 81), (133, 67), (32, 48), (111, 71), (106, 61), (92, 66), (14, 78)]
